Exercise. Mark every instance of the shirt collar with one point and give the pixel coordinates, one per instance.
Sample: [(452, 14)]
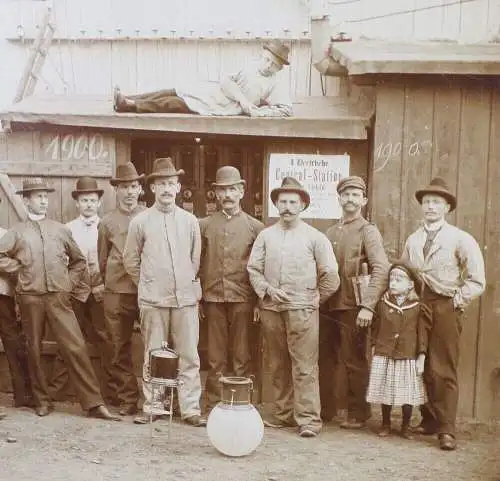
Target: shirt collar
[(35, 217), (435, 226), (89, 220), (227, 216)]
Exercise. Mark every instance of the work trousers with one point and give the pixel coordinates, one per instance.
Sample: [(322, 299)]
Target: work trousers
[(228, 343), (90, 316), (15, 351), (329, 379), (161, 101), (57, 309), (120, 313), (158, 324), (353, 369), (441, 365), (292, 339)]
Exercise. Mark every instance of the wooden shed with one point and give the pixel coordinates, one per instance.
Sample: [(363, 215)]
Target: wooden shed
[(64, 137), (438, 113)]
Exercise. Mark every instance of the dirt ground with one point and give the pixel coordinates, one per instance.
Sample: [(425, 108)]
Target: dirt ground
[(66, 446)]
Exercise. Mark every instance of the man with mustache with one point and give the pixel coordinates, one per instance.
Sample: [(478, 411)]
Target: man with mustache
[(450, 264), (293, 270), (162, 257), (50, 266), (253, 91), (88, 302), (120, 292), (355, 242), (228, 298)]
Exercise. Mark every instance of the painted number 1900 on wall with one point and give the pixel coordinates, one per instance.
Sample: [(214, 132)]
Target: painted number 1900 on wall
[(79, 147)]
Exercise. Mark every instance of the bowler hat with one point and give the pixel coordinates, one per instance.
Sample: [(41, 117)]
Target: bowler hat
[(34, 184), (227, 175), (289, 184), (86, 185), (125, 173), (352, 181), (163, 167), (438, 187), (279, 50)]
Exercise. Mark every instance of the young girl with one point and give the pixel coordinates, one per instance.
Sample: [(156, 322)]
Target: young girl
[(399, 337)]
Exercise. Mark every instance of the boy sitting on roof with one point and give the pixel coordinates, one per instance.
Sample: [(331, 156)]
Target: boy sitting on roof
[(253, 91)]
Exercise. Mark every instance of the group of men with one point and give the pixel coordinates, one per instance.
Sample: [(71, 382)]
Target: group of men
[(164, 267)]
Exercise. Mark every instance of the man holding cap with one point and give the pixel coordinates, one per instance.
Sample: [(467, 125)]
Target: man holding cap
[(228, 297), (293, 270), (356, 242), (450, 264), (253, 91), (162, 256)]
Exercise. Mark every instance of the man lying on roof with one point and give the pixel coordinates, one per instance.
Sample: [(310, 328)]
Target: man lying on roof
[(253, 91)]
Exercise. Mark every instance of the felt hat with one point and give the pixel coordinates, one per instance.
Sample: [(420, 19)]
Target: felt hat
[(86, 185), (279, 50), (34, 184), (289, 184), (125, 173), (439, 187), (227, 175), (352, 181), (163, 167)]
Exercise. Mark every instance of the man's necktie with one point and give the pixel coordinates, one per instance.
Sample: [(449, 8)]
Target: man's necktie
[(431, 235)]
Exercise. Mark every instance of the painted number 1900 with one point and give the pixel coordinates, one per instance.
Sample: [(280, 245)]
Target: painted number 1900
[(77, 147)]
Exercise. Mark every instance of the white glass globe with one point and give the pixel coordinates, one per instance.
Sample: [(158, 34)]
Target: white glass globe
[(235, 430)]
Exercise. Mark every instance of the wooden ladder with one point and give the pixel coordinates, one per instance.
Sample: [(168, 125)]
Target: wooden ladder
[(37, 57)]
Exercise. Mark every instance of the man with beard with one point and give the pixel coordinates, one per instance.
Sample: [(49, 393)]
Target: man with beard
[(293, 270), (355, 242), (162, 257), (88, 302), (253, 91), (50, 266), (228, 297), (120, 291), (450, 264)]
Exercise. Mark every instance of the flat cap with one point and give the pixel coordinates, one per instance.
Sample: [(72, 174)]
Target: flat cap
[(352, 181)]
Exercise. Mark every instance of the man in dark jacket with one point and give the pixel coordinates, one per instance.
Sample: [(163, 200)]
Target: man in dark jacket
[(50, 266), (355, 242), (120, 292), (229, 299)]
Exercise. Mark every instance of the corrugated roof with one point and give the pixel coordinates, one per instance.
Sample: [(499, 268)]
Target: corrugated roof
[(377, 57), (315, 117)]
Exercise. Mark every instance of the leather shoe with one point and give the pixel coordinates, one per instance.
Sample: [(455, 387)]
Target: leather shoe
[(384, 431), (43, 410), (144, 418), (447, 442), (196, 421), (406, 433), (128, 410), (102, 412)]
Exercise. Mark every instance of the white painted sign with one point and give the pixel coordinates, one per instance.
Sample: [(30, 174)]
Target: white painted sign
[(319, 174)]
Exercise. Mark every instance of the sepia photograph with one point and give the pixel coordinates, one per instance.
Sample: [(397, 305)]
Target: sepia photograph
[(250, 240)]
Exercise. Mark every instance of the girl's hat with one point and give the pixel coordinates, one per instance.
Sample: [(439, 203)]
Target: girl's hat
[(410, 272)]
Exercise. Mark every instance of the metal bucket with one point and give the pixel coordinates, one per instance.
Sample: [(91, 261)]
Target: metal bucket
[(163, 363), (236, 390)]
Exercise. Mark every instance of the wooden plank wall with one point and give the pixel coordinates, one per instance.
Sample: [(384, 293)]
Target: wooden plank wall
[(450, 130), (61, 157)]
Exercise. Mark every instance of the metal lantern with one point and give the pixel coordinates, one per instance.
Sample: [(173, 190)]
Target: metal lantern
[(163, 376), (234, 426)]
